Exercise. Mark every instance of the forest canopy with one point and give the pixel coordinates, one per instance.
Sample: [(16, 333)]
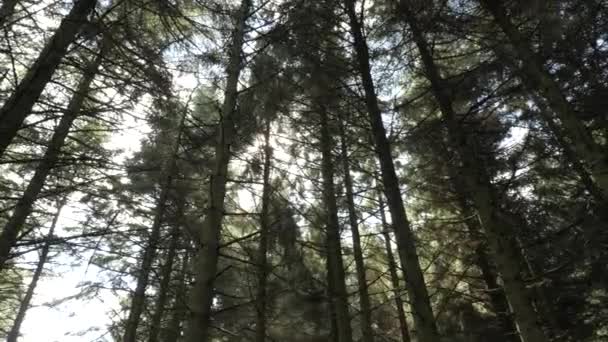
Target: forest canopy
[(304, 171)]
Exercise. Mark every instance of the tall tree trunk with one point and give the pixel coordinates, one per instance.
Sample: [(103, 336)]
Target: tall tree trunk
[(24, 206), (262, 262), (537, 78), (334, 336), (337, 288), (180, 309), (20, 103), (497, 225), (392, 268), (167, 270), (366, 310), (496, 293), (167, 168), (13, 334), (539, 294), (421, 306), (206, 261)]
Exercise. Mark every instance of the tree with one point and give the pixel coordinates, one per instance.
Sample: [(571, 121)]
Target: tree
[(227, 169), (392, 268), (16, 109), (166, 277), (24, 205), (207, 258), (25, 304), (6, 11), (423, 313), (337, 286), (261, 297), (167, 170), (538, 79), (366, 309), (499, 233)]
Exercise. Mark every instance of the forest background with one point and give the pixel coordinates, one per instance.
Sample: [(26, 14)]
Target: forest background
[(210, 170)]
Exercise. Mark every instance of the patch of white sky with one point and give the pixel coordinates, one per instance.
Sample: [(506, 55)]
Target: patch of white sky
[(58, 312)]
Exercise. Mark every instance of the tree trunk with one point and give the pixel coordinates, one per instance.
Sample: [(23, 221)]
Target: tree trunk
[(421, 306), (7, 9), (366, 311), (392, 267), (334, 336), (180, 309), (571, 156), (338, 293), (163, 291), (261, 300), (496, 293), (23, 207), (537, 78), (206, 261), (167, 168), (13, 334), (497, 225), (539, 294), (20, 103)]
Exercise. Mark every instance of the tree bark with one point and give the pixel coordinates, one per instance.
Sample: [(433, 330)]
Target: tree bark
[(138, 299), (20, 103), (7, 9), (206, 261), (538, 79), (497, 296), (262, 262), (497, 225), (570, 154), (13, 334), (334, 335), (421, 306), (163, 291), (180, 310), (539, 294), (24, 206), (366, 311), (496, 293), (338, 293), (392, 268)]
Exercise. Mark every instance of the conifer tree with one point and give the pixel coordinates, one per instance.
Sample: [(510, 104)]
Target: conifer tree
[(499, 233), (24, 205), (208, 237), (16, 109), (224, 169), (423, 313)]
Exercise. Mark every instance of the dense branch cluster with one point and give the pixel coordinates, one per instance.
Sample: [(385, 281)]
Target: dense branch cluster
[(291, 170)]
